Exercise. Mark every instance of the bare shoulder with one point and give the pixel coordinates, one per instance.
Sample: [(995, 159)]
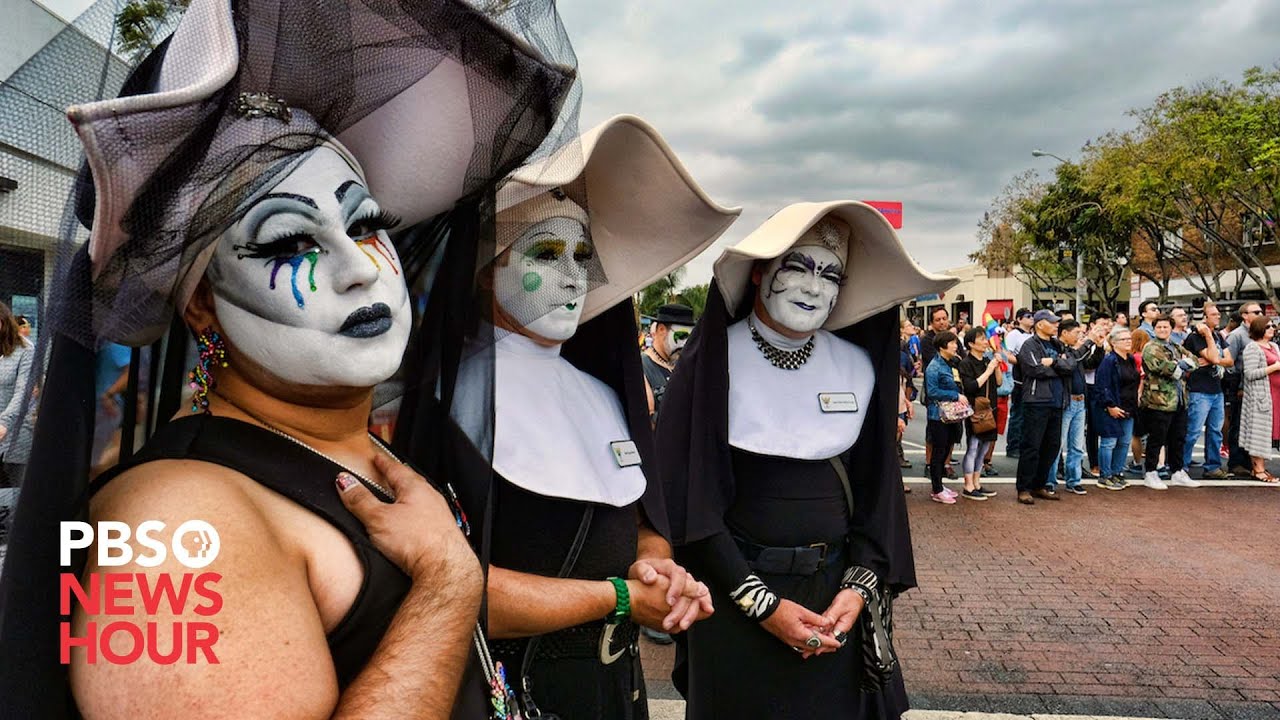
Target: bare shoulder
[(247, 614)]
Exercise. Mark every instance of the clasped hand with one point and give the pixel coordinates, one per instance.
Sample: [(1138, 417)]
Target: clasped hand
[(795, 624), (664, 594)]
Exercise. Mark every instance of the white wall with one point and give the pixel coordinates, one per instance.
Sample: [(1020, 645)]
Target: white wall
[(25, 28)]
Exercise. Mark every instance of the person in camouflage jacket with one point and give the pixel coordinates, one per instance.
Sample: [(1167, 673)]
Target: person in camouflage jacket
[(1163, 405)]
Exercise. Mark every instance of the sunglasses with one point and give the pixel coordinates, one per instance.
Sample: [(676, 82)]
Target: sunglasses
[(681, 334)]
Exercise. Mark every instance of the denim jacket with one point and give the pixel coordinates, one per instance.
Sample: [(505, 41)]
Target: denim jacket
[(940, 385)]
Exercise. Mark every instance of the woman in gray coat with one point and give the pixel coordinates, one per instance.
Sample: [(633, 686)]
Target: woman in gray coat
[(15, 370), (1256, 408)]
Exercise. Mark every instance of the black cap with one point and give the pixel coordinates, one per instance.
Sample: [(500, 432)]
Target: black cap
[(674, 314), (1022, 312)]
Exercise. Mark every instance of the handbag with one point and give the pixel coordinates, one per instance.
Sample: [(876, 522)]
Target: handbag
[(983, 419), (953, 411)]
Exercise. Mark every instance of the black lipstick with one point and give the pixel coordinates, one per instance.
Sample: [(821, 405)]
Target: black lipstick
[(367, 322)]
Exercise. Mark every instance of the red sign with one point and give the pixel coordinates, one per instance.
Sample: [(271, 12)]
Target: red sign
[(891, 210)]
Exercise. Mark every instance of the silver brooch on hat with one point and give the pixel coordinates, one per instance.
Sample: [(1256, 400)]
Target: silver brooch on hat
[(829, 235), (256, 105)]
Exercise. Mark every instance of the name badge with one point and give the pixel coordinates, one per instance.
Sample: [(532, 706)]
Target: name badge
[(624, 451), (845, 402)]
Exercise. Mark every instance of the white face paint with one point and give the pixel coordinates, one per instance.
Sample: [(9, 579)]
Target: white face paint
[(799, 289), (677, 336), (307, 285), (544, 281)]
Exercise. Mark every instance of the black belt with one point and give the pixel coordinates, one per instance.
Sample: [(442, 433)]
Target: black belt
[(580, 641), (802, 560)]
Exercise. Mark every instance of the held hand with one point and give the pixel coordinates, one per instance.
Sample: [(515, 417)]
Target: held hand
[(794, 624), (688, 599), (844, 611), (417, 532), (963, 400), (1116, 413), (649, 602), (995, 363)]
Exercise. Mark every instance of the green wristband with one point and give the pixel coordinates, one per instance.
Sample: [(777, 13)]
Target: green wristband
[(622, 606)]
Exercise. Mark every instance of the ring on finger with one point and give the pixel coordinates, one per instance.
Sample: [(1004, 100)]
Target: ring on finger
[(813, 642), (841, 637)]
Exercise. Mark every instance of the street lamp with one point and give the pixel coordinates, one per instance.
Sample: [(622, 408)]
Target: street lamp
[(1079, 255), (1040, 153)]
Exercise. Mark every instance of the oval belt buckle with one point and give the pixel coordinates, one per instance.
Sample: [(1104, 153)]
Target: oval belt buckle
[(607, 657)]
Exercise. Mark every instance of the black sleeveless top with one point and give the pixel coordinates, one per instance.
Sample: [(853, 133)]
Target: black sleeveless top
[(307, 479)]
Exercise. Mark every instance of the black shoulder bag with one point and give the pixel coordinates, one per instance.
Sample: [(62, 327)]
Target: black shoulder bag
[(531, 709), (874, 626)]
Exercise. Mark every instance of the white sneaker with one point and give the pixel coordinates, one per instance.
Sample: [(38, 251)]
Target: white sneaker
[(1153, 481), (1182, 479)]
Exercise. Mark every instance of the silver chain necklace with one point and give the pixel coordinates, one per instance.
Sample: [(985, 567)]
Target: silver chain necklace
[(385, 492), (777, 357)]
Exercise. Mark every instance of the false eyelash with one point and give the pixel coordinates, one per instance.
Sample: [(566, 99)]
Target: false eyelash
[(281, 247), (381, 220)]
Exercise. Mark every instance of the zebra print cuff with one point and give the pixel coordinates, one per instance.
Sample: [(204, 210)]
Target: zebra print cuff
[(755, 599), (862, 581)]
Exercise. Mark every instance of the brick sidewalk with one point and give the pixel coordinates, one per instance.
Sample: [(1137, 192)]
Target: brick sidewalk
[(1138, 602), (1141, 603)]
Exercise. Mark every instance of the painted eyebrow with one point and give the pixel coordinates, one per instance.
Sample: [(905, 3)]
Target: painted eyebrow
[(276, 203), (350, 195)]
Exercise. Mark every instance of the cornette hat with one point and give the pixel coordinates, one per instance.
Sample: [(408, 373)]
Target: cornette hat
[(674, 314), (648, 215), (880, 274), (435, 99)]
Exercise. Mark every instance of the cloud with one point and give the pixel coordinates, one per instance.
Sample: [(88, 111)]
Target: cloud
[(937, 103)]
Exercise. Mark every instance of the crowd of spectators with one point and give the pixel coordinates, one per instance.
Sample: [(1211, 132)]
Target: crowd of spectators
[(1077, 400)]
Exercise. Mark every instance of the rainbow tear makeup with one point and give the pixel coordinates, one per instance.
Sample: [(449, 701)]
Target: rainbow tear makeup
[(296, 262), (375, 241)]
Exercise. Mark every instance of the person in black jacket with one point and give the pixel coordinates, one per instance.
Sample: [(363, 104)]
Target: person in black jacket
[(1091, 353), (980, 376), (1044, 396)]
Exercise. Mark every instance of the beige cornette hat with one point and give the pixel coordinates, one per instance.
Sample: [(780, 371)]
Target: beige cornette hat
[(880, 273), (648, 216)]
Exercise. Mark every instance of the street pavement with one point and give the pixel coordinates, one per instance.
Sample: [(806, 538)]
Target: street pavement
[(1139, 603)]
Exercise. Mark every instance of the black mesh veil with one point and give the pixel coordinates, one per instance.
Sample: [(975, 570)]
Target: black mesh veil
[(128, 226)]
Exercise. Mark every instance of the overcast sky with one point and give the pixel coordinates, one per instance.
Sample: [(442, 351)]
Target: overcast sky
[(935, 103)]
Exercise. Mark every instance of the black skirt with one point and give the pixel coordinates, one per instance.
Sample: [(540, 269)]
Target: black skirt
[(736, 668)]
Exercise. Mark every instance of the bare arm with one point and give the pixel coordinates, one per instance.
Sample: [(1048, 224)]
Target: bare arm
[(269, 624)]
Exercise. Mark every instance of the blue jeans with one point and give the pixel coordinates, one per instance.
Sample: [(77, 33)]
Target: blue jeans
[(1204, 413), (1113, 452), (1072, 443), (1013, 427)]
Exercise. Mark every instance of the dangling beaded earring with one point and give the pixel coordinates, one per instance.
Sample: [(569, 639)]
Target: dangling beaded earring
[(213, 352)]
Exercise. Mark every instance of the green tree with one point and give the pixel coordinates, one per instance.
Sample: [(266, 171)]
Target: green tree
[(695, 296), (1201, 177), (660, 291), (1007, 238), (140, 22)]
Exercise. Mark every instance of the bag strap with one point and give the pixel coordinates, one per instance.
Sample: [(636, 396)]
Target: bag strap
[(526, 663), (843, 473)]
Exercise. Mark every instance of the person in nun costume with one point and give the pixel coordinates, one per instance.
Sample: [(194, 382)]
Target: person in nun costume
[(776, 454), (232, 198), (574, 530)]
